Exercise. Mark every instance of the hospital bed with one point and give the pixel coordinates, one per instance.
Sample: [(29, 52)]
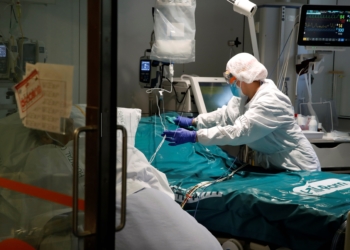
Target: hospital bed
[(40, 160), (297, 210)]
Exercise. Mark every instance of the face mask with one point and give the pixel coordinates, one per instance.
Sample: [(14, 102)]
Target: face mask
[(236, 91)]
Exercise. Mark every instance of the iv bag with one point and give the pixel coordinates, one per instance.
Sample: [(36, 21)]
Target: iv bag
[(174, 29)]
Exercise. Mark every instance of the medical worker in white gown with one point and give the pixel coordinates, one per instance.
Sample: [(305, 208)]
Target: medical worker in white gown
[(258, 115)]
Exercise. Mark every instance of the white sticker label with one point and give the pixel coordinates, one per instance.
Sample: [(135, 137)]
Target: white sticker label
[(322, 187)]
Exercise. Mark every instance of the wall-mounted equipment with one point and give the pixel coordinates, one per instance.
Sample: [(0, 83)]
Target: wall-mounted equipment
[(148, 73), (31, 51), (324, 27)]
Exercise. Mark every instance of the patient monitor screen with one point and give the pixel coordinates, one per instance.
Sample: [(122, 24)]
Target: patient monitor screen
[(215, 94), (325, 26)]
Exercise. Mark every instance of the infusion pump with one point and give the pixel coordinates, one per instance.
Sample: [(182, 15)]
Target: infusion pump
[(149, 72), (14, 54), (31, 51), (8, 57)]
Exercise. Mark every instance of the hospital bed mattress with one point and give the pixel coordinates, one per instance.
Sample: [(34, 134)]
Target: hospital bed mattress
[(299, 210)]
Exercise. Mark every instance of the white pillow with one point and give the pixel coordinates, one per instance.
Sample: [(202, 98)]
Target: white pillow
[(129, 118), (78, 114)]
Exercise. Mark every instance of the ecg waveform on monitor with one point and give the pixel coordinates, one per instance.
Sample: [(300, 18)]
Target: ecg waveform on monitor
[(321, 27), (331, 26), (327, 16)]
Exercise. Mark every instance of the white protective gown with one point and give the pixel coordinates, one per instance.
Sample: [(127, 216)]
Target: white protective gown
[(266, 124)]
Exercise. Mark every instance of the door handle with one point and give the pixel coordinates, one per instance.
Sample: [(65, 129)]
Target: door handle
[(124, 172), (76, 181)]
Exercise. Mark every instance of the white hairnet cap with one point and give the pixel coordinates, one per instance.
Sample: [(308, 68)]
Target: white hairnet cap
[(246, 68)]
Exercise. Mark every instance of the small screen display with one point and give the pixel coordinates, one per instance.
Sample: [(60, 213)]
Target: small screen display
[(215, 94), (2, 51), (145, 65)]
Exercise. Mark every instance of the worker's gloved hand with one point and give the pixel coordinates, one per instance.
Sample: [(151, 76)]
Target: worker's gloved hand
[(183, 121), (179, 136)]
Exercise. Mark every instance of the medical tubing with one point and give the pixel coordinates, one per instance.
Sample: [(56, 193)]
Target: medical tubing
[(208, 183), (155, 153), (337, 235), (283, 73), (149, 91), (273, 71), (199, 196), (59, 143), (286, 66), (308, 83), (176, 92), (161, 120), (161, 75), (296, 83), (161, 143)]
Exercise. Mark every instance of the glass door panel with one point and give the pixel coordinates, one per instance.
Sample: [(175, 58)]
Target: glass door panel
[(36, 166)]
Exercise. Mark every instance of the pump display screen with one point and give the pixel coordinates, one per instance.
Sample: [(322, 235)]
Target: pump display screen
[(2, 51), (145, 65)]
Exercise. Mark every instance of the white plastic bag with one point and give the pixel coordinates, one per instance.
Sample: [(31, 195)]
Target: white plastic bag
[(174, 29)]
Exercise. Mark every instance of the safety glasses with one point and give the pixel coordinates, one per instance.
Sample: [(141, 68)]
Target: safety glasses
[(229, 77)]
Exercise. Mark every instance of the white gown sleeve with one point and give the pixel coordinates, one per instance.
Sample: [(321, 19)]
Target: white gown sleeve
[(262, 118), (223, 116)]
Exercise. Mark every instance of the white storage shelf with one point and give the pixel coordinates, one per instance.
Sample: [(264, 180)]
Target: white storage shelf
[(334, 157), (313, 134)]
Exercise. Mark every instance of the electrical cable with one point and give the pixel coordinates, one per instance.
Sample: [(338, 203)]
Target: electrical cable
[(207, 183), (59, 143), (161, 143), (149, 91), (199, 197), (176, 92), (284, 64), (273, 71)]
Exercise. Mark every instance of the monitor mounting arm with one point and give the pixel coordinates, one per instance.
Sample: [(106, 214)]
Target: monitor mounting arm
[(248, 9)]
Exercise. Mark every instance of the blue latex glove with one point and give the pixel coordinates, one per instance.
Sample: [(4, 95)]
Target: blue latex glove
[(179, 136), (183, 121)]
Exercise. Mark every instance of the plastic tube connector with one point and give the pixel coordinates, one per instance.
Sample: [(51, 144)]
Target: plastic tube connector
[(171, 72), (161, 95)]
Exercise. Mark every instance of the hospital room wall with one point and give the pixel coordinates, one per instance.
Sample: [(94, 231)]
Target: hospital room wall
[(62, 27), (216, 23), (323, 82)]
